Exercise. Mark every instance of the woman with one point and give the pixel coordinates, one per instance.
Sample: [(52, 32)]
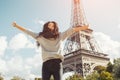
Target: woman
[(50, 41)]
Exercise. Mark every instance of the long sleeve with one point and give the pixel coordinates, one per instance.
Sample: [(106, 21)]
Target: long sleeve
[(33, 34), (67, 33)]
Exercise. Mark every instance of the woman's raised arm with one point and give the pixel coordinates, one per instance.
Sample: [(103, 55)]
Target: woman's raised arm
[(76, 29), (70, 31), (34, 35), (14, 24)]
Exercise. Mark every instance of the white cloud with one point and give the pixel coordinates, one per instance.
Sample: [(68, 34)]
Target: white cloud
[(20, 41), (25, 68), (38, 21), (16, 65), (12, 67), (119, 26), (108, 46), (119, 22), (34, 61), (3, 66), (41, 22), (3, 45), (66, 75)]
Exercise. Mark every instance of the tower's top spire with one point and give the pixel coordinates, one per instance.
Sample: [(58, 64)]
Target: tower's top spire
[(78, 16), (76, 1)]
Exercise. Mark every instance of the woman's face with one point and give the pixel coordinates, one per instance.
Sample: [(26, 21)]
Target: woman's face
[(51, 26)]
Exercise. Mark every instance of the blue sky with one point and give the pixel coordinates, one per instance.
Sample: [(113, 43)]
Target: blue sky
[(26, 12), (19, 52)]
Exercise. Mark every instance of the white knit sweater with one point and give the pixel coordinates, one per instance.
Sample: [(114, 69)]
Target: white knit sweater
[(51, 48)]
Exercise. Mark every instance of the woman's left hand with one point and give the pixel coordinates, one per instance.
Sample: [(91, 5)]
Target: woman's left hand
[(80, 28)]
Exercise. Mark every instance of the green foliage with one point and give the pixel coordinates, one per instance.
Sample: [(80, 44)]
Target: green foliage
[(105, 76), (75, 77), (109, 67), (38, 79), (100, 68), (16, 78), (1, 78), (116, 68), (94, 76)]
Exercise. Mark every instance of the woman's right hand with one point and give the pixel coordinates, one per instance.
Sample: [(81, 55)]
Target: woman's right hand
[(14, 24)]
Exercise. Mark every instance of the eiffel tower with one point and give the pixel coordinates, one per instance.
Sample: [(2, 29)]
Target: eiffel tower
[(82, 53)]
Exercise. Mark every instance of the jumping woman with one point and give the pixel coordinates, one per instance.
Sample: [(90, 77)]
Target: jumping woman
[(50, 40)]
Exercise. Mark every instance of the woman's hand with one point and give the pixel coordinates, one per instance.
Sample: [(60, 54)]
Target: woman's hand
[(84, 28), (80, 28), (14, 24)]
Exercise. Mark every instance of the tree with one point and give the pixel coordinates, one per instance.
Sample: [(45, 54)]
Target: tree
[(109, 67), (105, 76), (52, 78), (16, 78), (1, 78), (94, 76), (100, 68), (116, 68), (75, 77), (38, 78)]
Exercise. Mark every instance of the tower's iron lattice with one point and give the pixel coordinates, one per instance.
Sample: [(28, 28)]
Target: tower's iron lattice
[(81, 50)]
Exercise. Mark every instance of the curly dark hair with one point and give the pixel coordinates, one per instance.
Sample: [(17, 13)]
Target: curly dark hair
[(47, 33)]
